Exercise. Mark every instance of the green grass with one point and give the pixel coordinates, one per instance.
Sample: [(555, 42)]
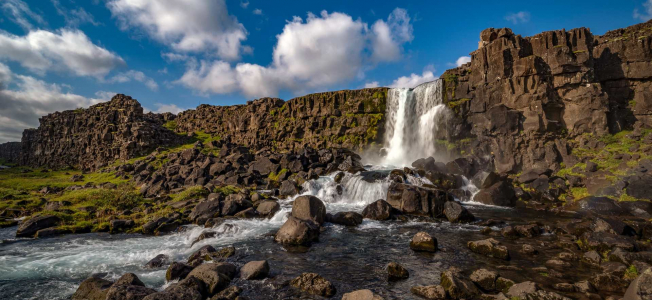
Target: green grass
[(193, 192)]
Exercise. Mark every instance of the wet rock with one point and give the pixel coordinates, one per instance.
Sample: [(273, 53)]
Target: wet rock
[(490, 248), (584, 287), (345, 218), (522, 290), (396, 272), (190, 288), (128, 292), (230, 293), (50, 232), (205, 210), (416, 200), (503, 284), (177, 270), (216, 277), (458, 287), (235, 203), (640, 288), (288, 188), (361, 295), (529, 249), (158, 261), (422, 241), (129, 279), (314, 284), (485, 180), (309, 208), (121, 225), (456, 213), (379, 210), (557, 264), (591, 258), (338, 177), (206, 234), (92, 289), (499, 194), (254, 270), (268, 208), (485, 279), (430, 292), (530, 230), (297, 232), (564, 287), (608, 283), (29, 227), (202, 254)]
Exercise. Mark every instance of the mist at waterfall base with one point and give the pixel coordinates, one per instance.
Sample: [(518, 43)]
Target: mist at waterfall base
[(352, 258)]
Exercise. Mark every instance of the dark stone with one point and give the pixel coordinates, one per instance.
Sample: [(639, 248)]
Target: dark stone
[(29, 227), (456, 213), (314, 284), (346, 218), (379, 210), (396, 272)]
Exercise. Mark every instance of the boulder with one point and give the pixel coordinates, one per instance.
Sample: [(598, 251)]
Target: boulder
[(190, 288), (254, 270), (177, 270), (379, 210), (416, 200), (456, 213), (490, 248), (430, 292), (288, 188), (205, 209), (396, 272), (120, 225), (297, 232), (345, 218), (29, 227), (268, 208), (483, 179), (361, 295), (314, 284), (206, 234), (641, 287), (230, 293), (485, 279), (309, 208), (422, 241), (158, 261), (128, 292), (215, 277), (92, 289), (202, 254), (458, 287), (129, 279), (499, 194)]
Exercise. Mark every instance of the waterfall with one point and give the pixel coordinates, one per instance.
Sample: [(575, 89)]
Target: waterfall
[(415, 117)]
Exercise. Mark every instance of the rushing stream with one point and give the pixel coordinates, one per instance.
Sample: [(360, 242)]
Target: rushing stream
[(352, 258)]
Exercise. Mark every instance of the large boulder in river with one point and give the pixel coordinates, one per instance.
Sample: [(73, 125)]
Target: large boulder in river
[(206, 210), (268, 208), (379, 210), (296, 232), (361, 295), (190, 288), (349, 218), (177, 270), (422, 241), (490, 248), (128, 287), (416, 200), (215, 276), (29, 227), (314, 284), (288, 188), (499, 194), (254, 270), (457, 213), (309, 208), (92, 289)]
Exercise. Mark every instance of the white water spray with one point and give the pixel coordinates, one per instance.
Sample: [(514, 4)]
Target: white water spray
[(414, 119)]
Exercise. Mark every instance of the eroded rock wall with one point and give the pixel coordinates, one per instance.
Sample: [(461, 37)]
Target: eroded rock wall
[(10, 152), (350, 119), (523, 97), (94, 137)]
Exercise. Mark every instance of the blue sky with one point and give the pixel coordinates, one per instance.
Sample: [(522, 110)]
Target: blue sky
[(176, 54)]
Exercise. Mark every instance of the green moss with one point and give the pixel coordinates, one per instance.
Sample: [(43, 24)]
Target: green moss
[(193, 192), (227, 190), (171, 125), (631, 273), (275, 176), (579, 192)]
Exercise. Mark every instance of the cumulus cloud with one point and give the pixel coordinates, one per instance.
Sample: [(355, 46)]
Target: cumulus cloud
[(137, 76), (414, 79), (462, 60), (66, 49), (646, 15), (74, 17), (31, 98), (258, 11), (163, 108), (372, 84), (244, 4), (185, 25), (319, 51), (20, 13), (519, 17)]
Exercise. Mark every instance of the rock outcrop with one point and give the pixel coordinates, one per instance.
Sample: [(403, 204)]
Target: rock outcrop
[(522, 97), (94, 137), (10, 152)]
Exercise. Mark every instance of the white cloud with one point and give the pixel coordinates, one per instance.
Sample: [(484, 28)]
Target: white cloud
[(103, 96), (414, 79), (67, 49), (372, 84), (258, 11), (163, 108), (185, 25), (519, 17), (462, 60), (389, 36), (318, 52), (137, 76), (74, 17), (20, 13), (244, 4), (647, 12), (22, 106)]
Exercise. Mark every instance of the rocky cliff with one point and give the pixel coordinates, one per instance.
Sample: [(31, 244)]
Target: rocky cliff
[(350, 119), (525, 99), (96, 136), (10, 152)]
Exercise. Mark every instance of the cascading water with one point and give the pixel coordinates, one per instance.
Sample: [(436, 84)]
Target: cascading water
[(415, 117)]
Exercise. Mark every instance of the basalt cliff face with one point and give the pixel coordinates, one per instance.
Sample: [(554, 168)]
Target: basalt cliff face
[(344, 119), (10, 152), (527, 99), (96, 136)]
